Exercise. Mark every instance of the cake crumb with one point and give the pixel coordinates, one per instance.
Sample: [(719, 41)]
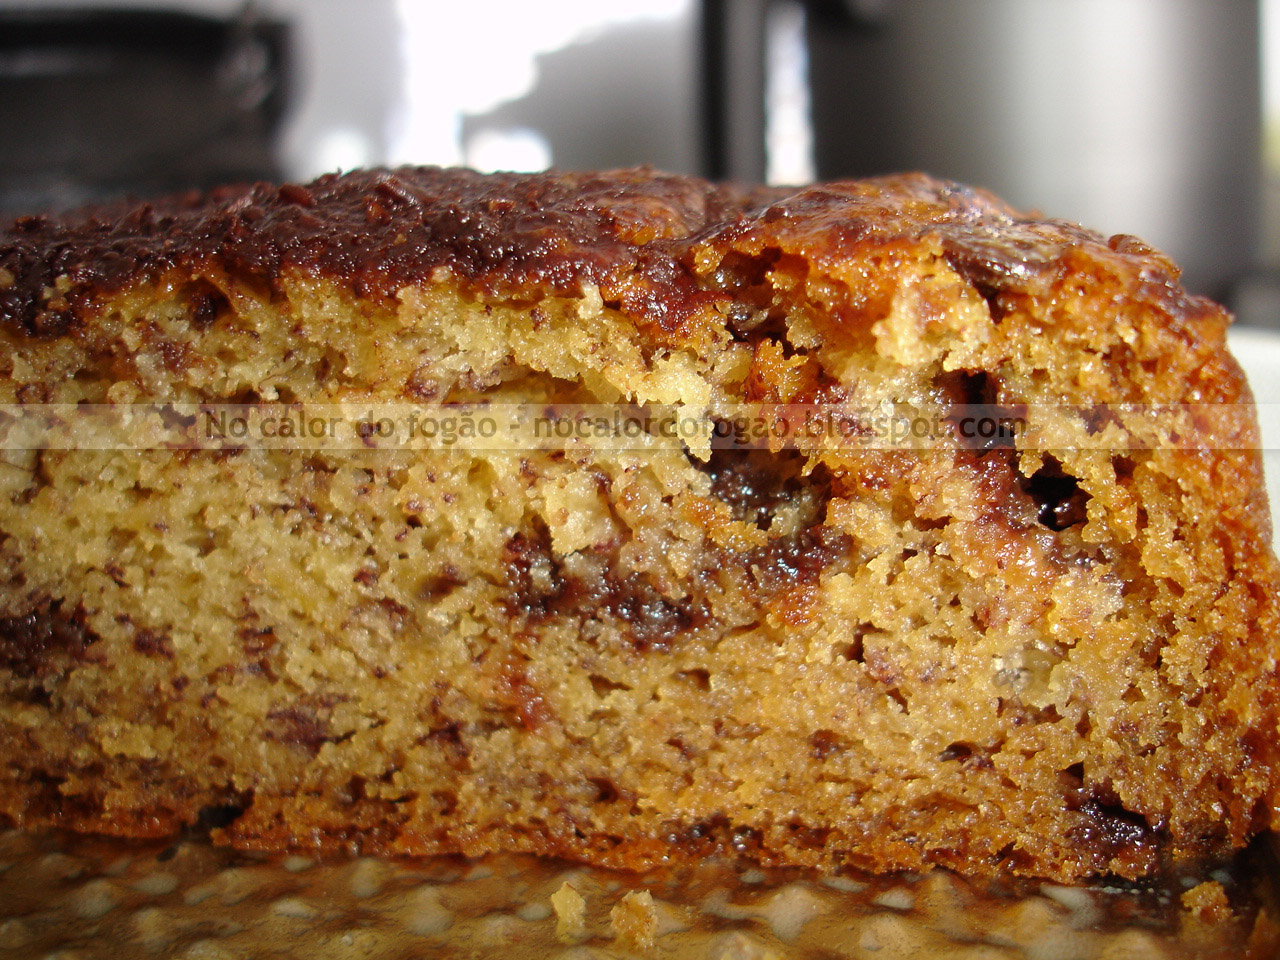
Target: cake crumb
[(634, 920), (571, 912), (1207, 902), (1264, 937)]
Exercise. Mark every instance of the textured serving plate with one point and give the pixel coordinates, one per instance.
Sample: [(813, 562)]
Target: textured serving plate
[(74, 897)]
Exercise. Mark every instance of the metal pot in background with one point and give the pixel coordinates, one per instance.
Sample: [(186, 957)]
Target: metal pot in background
[(97, 104), (1129, 116)]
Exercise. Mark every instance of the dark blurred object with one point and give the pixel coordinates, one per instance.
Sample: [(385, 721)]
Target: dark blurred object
[(733, 89), (1126, 115), (99, 104)]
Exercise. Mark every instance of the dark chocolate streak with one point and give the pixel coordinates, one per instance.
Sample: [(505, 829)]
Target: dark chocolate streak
[(629, 232), (35, 644), (649, 619)]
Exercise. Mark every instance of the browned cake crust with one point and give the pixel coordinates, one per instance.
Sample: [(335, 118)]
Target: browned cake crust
[(1052, 653)]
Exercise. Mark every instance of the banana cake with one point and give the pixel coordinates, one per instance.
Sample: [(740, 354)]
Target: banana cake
[(1047, 648)]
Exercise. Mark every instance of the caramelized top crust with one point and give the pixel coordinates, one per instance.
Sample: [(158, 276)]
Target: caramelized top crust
[(632, 233)]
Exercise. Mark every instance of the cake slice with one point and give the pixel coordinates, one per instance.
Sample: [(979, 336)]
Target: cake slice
[(1046, 648)]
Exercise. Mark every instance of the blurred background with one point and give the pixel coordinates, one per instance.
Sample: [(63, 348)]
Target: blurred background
[(1159, 118)]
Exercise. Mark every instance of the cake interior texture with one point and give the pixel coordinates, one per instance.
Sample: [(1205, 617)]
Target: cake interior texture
[(1054, 658)]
